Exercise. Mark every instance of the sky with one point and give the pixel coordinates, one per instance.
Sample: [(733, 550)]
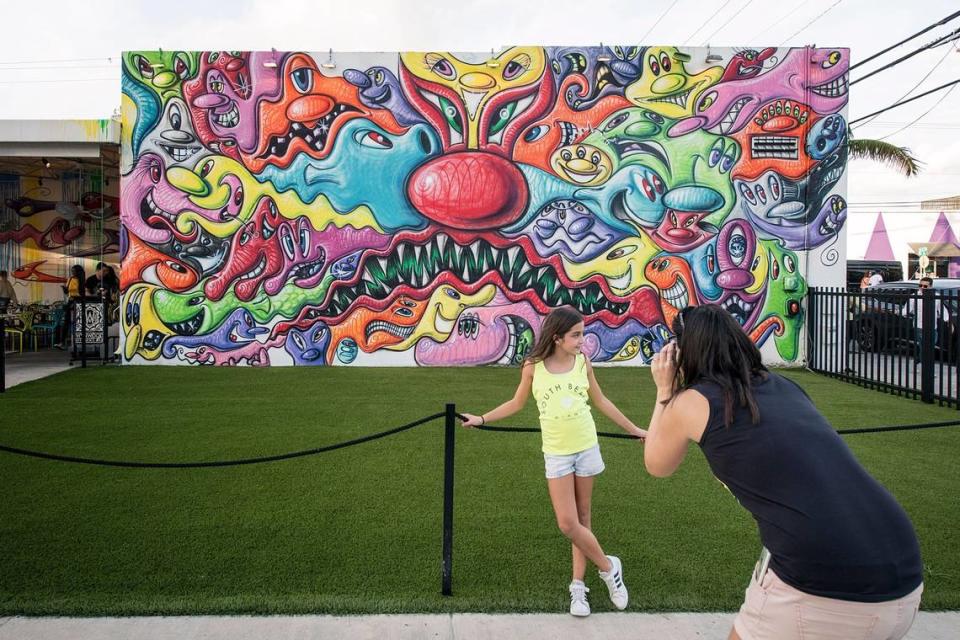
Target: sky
[(61, 59)]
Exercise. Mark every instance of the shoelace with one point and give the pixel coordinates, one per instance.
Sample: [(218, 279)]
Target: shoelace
[(578, 593)]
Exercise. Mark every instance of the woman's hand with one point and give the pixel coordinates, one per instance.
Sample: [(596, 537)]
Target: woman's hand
[(469, 420), (639, 433), (664, 368)]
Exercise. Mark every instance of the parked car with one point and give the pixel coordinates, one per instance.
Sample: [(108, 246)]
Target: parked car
[(884, 318)]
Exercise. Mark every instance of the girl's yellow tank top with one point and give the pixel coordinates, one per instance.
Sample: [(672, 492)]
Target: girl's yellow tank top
[(565, 419)]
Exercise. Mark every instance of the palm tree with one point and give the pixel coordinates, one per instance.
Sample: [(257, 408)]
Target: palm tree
[(898, 158)]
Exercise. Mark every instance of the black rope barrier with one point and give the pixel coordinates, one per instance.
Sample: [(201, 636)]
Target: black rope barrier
[(627, 436), (221, 463)]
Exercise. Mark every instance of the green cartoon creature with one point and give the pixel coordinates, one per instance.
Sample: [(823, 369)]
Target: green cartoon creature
[(782, 312)]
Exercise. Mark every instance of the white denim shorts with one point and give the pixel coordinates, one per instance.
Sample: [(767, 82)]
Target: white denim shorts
[(583, 463)]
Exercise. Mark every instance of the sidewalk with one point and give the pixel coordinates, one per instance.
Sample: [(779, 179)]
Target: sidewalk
[(459, 626)]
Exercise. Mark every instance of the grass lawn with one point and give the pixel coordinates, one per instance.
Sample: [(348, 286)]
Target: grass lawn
[(358, 530)]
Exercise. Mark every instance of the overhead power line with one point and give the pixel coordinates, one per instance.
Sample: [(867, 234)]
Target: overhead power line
[(817, 17), (953, 35), (707, 21), (729, 20), (922, 80), (922, 115), (902, 102), (918, 33), (654, 25)]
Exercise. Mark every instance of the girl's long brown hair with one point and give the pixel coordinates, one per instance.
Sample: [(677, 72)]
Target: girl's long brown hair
[(555, 325)]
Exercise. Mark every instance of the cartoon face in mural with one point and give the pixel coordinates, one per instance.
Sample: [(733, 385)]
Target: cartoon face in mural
[(568, 228), (742, 272), (582, 164), (563, 125), (783, 308), (237, 331), (434, 210), (479, 112), (631, 341), (363, 151), (380, 89), (143, 263), (499, 333), (747, 64), (826, 136), (173, 138), (150, 205), (309, 346), (255, 255), (143, 330), (225, 95), (160, 72), (817, 77), (308, 115), (666, 86), (776, 207), (622, 267), (605, 70), (776, 140), (695, 185)]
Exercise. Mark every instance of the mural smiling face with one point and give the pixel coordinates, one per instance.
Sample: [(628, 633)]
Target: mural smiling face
[(223, 98), (666, 86), (479, 112)]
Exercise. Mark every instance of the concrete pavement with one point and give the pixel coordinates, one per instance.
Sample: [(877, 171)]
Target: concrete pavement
[(458, 626)]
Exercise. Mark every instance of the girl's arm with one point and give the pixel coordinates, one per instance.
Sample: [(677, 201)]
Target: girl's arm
[(509, 407), (674, 425), (603, 404)]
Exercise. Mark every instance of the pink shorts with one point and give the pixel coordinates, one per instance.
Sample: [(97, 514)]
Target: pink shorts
[(773, 610)]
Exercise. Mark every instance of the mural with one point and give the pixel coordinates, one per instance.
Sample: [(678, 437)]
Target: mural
[(429, 208), (47, 226)]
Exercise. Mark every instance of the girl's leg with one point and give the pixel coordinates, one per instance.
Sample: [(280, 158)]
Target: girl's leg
[(563, 497), (583, 490)]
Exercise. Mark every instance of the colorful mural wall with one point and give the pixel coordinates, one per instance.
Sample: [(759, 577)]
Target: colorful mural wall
[(48, 225), (427, 208)]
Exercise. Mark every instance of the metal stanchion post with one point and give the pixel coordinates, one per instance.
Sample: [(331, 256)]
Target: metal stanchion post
[(450, 431), (3, 345), (83, 332)]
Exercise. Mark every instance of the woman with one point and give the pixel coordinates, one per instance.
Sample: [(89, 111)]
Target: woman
[(841, 559)]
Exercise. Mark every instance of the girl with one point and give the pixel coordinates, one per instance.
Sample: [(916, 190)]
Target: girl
[(561, 378), (840, 557)]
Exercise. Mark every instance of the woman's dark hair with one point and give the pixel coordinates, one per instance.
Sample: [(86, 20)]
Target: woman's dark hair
[(77, 271), (714, 348), (555, 325)]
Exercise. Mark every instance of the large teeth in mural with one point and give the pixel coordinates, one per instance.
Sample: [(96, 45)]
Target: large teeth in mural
[(429, 208)]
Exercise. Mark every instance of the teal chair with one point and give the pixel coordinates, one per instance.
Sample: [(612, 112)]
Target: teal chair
[(52, 326)]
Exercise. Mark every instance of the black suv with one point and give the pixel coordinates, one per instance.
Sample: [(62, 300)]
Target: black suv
[(879, 323)]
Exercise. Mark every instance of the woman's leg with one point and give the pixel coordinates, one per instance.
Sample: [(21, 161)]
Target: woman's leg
[(563, 497), (583, 489)]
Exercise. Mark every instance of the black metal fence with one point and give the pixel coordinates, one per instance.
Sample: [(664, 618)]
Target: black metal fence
[(902, 341)]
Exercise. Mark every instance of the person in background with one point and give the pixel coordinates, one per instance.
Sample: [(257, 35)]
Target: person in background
[(7, 294), (103, 283), (865, 280), (74, 291), (876, 278)]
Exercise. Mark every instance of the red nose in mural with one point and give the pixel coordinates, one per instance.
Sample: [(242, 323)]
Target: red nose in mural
[(469, 190)]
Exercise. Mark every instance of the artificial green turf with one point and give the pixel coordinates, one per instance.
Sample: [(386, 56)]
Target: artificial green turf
[(358, 530)]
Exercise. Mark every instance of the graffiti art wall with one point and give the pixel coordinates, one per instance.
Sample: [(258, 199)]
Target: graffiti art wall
[(429, 208), (49, 225)]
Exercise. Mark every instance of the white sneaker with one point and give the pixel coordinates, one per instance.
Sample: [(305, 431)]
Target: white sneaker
[(578, 599), (614, 580)]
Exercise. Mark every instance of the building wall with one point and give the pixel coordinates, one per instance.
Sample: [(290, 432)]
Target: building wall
[(49, 225), (429, 208)]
